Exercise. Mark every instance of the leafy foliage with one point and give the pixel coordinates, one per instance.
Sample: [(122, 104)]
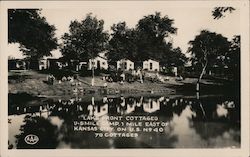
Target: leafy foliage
[(152, 32), (219, 12), (208, 49), (174, 58), (122, 43), (28, 28), (233, 58), (147, 40), (85, 39)]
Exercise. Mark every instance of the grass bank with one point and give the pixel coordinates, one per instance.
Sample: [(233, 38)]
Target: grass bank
[(33, 83)]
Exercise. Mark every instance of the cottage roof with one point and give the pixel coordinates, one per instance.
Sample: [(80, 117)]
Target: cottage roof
[(154, 60), (125, 59), (103, 57)]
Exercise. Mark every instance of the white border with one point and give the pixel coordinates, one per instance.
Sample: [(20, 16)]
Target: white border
[(241, 152)]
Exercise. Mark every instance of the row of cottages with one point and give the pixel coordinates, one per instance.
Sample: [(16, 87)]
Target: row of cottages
[(149, 65), (99, 62)]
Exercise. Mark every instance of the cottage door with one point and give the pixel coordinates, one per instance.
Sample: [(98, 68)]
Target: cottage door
[(98, 65)]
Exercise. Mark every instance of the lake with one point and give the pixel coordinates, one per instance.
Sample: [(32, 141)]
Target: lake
[(126, 122)]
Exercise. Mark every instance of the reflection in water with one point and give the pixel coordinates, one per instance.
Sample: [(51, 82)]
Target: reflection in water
[(40, 127), (208, 122)]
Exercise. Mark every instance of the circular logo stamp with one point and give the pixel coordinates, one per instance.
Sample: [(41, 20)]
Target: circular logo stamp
[(31, 139)]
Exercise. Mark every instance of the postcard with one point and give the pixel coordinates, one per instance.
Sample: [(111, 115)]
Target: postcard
[(125, 78)]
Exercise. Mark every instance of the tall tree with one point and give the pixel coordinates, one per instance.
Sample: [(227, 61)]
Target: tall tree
[(232, 58), (85, 40), (175, 58), (123, 42), (28, 28), (152, 33), (206, 49)]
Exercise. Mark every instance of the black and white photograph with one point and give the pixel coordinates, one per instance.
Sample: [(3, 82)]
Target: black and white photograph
[(126, 75)]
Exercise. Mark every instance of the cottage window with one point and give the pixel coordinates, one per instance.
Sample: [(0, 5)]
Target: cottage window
[(125, 65), (151, 66)]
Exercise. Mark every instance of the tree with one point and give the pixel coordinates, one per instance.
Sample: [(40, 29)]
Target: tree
[(206, 49), (152, 33), (232, 58), (123, 42), (174, 57), (147, 40), (219, 12), (85, 40), (35, 36)]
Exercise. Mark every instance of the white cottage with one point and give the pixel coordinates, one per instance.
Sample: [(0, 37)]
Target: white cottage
[(151, 65), (42, 64), (125, 64), (100, 62)]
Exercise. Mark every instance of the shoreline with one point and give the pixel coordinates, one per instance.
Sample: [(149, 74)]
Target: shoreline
[(34, 85)]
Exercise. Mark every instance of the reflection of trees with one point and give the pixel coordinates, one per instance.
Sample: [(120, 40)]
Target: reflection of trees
[(205, 110), (213, 130), (147, 140), (160, 140), (208, 124), (205, 121), (20, 100), (130, 143), (41, 127)]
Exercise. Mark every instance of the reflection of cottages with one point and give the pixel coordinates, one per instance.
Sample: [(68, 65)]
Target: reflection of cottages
[(99, 62), (97, 110), (151, 106), (100, 110), (130, 108), (121, 108), (125, 64), (151, 65), (131, 104)]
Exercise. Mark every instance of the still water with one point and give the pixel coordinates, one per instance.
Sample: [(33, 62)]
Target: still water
[(127, 122)]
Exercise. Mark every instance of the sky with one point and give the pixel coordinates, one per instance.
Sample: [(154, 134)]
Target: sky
[(189, 20)]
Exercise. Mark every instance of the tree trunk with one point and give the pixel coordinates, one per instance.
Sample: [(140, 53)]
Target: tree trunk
[(201, 75), (93, 73)]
